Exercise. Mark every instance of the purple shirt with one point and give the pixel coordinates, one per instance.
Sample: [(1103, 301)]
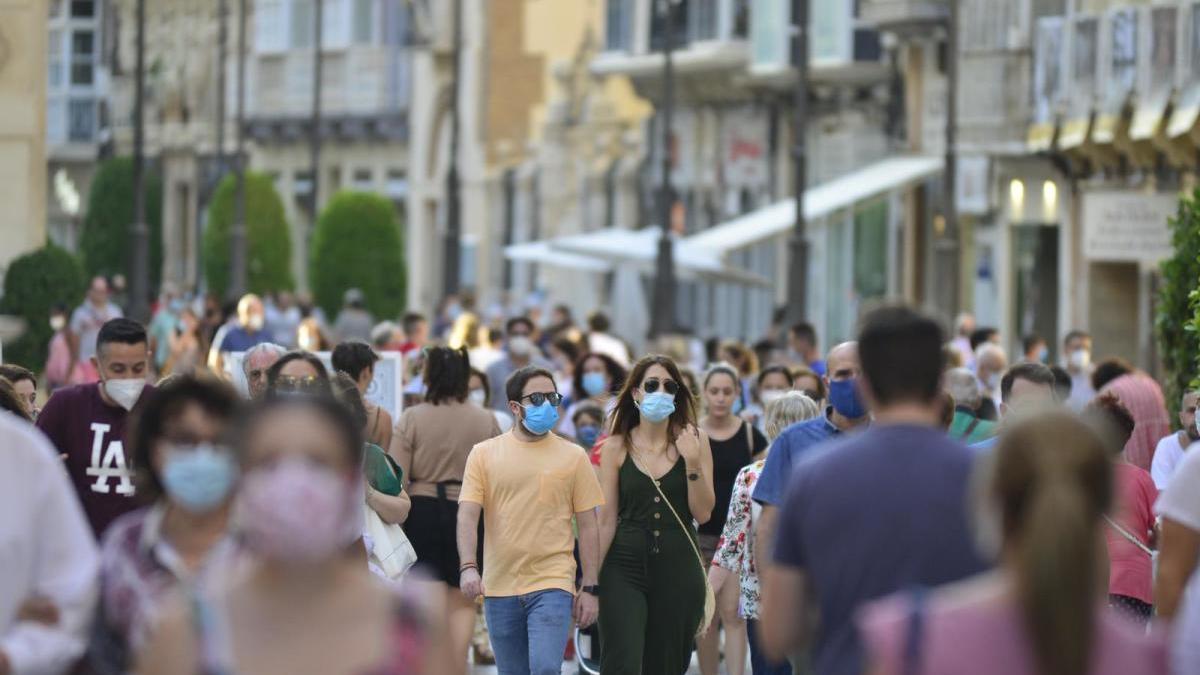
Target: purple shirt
[(91, 433), (870, 515)]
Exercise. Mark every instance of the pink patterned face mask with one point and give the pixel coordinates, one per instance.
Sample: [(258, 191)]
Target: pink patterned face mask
[(294, 511)]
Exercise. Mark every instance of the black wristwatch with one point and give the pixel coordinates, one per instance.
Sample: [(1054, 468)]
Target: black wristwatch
[(591, 590)]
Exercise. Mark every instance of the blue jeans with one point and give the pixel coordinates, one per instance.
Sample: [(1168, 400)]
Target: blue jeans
[(529, 632), (758, 662)]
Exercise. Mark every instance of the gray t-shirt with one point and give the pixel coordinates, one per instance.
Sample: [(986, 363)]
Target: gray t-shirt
[(86, 321)]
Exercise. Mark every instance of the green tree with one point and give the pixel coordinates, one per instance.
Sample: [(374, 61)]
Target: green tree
[(268, 238), (33, 284), (1176, 323), (357, 244), (104, 242)]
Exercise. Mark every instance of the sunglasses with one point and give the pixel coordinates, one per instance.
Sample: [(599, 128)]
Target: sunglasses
[(651, 385), (294, 383), (537, 398)]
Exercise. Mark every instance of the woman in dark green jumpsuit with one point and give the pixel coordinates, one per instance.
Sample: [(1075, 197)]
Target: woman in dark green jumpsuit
[(652, 583)]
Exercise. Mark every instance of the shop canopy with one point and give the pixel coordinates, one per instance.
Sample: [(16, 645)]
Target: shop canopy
[(840, 193)]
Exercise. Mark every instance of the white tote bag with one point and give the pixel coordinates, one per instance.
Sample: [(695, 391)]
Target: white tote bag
[(391, 553)]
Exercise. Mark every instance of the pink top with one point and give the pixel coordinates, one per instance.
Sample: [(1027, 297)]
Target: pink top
[(1144, 399), (981, 633), (1130, 568)]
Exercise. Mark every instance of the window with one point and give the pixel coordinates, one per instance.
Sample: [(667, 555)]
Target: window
[(83, 57), (364, 21), (302, 24), (335, 23), (679, 12), (703, 20), (56, 120), (397, 184), (1124, 50), (1083, 59), (363, 179), (83, 9), (54, 59), (83, 43), (618, 25), (270, 26), (81, 123), (55, 9)]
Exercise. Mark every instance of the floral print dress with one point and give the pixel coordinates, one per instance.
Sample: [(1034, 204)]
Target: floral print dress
[(735, 550)]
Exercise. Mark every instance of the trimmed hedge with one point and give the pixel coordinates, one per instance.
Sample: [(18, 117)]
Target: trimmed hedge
[(1176, 323), (33, 284), (357, 244), (104, 242), (268, 237)]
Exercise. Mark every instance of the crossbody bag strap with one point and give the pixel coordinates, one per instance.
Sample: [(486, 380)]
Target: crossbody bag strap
[(1129, 536)]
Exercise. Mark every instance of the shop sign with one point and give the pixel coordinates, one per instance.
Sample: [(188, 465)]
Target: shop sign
[(1127, 226)]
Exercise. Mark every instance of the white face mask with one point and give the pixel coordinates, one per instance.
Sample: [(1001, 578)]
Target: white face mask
[(769, 396), (520, 345), (58, 323), (1079, 359), (255, 322), (477, 397), (125, 392)]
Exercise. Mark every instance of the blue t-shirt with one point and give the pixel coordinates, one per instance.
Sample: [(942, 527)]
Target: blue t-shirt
[(238, 339), (880, 512), (786, 451)]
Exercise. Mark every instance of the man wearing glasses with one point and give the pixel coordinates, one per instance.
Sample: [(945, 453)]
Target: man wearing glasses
[(529, 484)]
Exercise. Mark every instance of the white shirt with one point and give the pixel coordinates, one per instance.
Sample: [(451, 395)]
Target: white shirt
[(1082, 392), (1181, 503), (1167, 456), (46, 549), (603, 343)]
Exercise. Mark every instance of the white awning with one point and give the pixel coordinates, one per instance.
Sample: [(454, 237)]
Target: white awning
[(820, 201), (540, 252)]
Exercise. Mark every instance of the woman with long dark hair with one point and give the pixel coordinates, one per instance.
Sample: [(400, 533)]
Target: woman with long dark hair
[(656, 472), (597, 379), (1042, 611), (431, 443)]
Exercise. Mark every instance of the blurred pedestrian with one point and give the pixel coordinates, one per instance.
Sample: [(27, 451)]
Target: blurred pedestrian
[(354, 322), (1034, 350), (743, 359), (1038, 614), (185, 350), (1169, 451), (587, 421), (247, 331), (600, 341), (734, 561), (656, 470), (520, 351), (386, 336), (533, 477), (10, 401), (86, 321), (416, 332), (1077, 357), (58, 351), (1026, 388), (1142, 396), (48, 589), (431, 443), (1062, 385), (964, 325), (24, 386), (1131, 533), (597, 379), (770, 385), (187, 474), (479, 392), (298, 373), (802, 343), (255, 363), (358, 360), (1177, 586), (163, 324), (807, 382), (87, 422), (284, 322), (990, 365), (298, 602), (868, 498), (734, 443), (967, 425)]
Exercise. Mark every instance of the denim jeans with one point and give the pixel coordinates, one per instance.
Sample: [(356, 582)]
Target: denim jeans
[(529, 632)]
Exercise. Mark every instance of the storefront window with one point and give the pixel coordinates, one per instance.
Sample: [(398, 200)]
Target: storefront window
[(1035, 276), (870, 250)]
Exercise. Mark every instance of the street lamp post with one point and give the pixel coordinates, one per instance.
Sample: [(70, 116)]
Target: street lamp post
[(951, 169), (237, 230), (662, 320), (314, 138), (139, 277), (452, 255), (798, 245)]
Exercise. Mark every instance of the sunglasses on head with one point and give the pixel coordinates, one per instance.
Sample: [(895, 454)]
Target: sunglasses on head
[(650, 385), (294, 383), (537, 398)]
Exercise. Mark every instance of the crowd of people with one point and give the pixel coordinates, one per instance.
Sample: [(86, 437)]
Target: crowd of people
[(213, 492)]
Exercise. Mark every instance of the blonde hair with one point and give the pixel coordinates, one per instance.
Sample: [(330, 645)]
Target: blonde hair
[(792, 407)]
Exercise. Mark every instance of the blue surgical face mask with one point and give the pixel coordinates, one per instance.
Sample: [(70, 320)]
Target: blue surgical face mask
[(657, 407), (1043, 354), (587, 435), (539, 419), (175, 306), (200, 477), (843, 396), (595, 384)]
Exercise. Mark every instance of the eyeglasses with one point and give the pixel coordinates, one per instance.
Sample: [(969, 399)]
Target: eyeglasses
[(537, 398), (650, 385), (294, 383)]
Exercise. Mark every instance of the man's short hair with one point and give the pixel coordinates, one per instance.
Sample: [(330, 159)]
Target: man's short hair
[(981, 335), (986, 349), (1108, 370), (410, 322), (1030, 372), (514, 387), (1076, 335), (901, 354), (14, 374), (353, 357), (518, 321), (964, 387), (598, 322), (1062, 383), (263, 347), (121, 331), (805, 331), (1029, 342)]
